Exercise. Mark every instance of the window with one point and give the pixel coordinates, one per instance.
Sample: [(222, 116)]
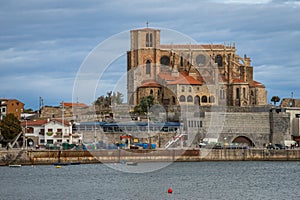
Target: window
[(218, 60), (190, 89), (182, 98), (165, 60), (197, 100), (59, 141), (149, 40), (49, 141), (189, 98), (181, 61), (3, 110), (148, 67), (151, 92), (50, 130), (237, 93), (30, 130), (174, 100), (182, 88), (59, 130), (211, 99), (42, 141), (201, 60), (204, 99), (150, 43), (222, 94)]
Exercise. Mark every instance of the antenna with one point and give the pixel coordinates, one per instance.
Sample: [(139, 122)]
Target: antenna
[(147, 23)]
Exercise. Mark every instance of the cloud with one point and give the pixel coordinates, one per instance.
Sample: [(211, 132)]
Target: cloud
[(43, 44)]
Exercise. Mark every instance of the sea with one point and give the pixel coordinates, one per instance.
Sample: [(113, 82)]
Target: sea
[(187, 180)]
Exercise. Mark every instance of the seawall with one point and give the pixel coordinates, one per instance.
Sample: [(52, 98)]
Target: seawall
[(45, 157)]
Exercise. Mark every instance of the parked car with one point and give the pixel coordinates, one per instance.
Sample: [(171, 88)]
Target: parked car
[(279, 146), (272, 146)]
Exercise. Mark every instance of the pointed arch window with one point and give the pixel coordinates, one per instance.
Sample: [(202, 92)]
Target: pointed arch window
[(204, 99), (237, 93), (219, 60), (197, 100), (222, 94), (149, 40), (181, 61), (182, 98), (148, 67)]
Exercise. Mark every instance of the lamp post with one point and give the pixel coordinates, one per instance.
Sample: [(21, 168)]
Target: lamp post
[(25, 134), (148, 127)]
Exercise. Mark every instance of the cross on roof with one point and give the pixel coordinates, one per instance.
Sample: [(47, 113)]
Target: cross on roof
[(147, 23)]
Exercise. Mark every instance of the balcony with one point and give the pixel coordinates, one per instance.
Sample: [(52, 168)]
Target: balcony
[(49, 133), (58, 135)]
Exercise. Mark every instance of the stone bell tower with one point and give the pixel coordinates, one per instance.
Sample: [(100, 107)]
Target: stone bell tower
[(142, 59)]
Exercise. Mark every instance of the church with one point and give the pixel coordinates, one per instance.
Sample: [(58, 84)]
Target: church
[(189, 74)]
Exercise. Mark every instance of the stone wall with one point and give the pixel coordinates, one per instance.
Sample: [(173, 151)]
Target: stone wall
[(227, 126), (44, 157), (279, 126)]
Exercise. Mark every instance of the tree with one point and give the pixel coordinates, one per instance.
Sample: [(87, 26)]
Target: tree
[(104, 103), (117, 98), (10, 127), (146, 103), (275, 99)]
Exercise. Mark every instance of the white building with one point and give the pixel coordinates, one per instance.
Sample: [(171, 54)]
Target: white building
[(49, 132), (294, 124)]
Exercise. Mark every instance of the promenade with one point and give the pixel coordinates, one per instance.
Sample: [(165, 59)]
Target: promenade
[(46, 157)]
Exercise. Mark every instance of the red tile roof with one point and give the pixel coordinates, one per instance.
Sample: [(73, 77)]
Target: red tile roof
[(41, 122), (70, 104), (256, 84), (193, 46), (185, 79), (37, 122), (150, 83)]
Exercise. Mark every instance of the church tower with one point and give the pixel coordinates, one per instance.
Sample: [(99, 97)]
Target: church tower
[(142, 60)]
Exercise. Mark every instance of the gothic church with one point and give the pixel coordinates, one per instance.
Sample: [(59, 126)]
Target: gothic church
[(189, 74)]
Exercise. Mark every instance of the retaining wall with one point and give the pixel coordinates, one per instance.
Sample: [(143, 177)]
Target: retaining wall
[(36, 157)]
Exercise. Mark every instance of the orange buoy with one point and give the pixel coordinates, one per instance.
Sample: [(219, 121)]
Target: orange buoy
[(170, 191)]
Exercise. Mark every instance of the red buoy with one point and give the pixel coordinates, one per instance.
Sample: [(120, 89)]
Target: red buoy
[(170, 191)]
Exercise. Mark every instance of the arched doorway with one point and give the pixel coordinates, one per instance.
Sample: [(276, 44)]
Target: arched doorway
[(243, 140)]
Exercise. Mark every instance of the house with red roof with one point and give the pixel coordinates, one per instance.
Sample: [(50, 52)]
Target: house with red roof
[(50, 132)]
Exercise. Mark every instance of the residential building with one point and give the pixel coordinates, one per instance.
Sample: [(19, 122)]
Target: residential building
[(11, 106), (49, 131)]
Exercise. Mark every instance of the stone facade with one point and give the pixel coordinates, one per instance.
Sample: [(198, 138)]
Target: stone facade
[(179, 74)]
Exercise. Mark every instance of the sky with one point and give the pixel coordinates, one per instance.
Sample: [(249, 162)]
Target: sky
[(44, 44)]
